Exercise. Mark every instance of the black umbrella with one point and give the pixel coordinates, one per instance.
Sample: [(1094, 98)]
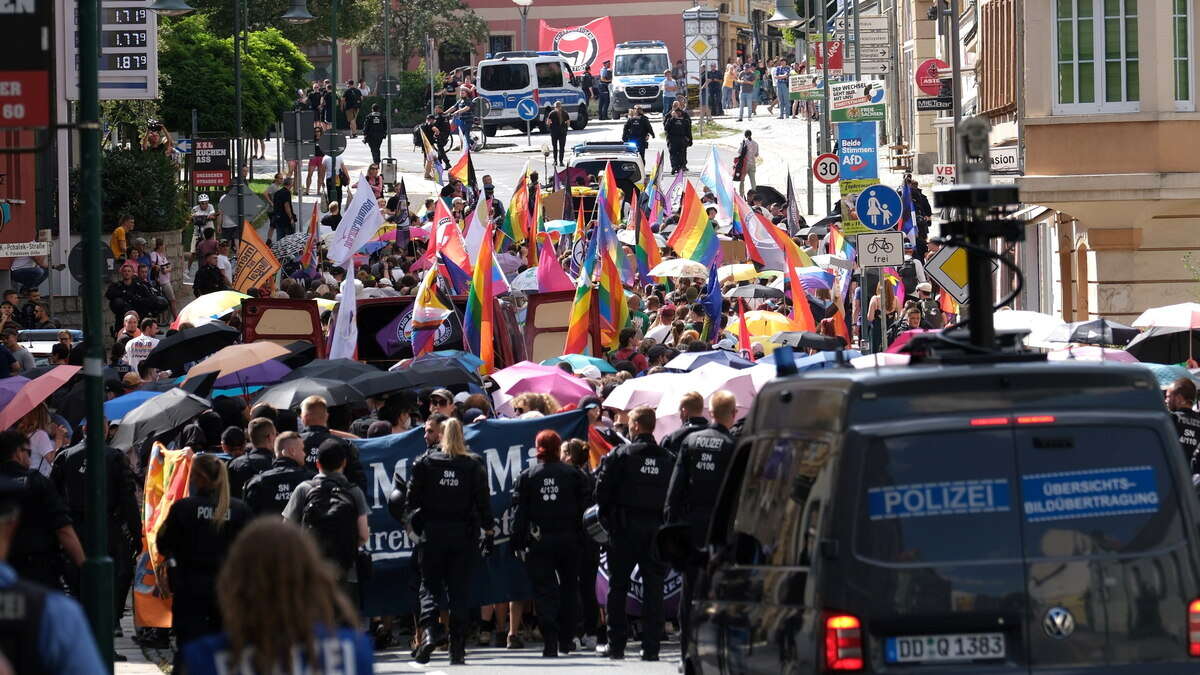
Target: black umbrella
[(755, 291), (331, 369), (301, 353), (201, 385), (160, 414), (803, 339), (1165, 345), (291, 393), (383, 383), (193, 344), (1095, 332), (409, 378)]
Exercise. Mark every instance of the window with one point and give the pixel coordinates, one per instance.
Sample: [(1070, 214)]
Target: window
[(504, 77), (778, 513), (500, 43), (549, 74), (1096, 53), (1181, 30)]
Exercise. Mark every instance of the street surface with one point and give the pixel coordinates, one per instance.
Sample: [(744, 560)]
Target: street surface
[(494, 659)]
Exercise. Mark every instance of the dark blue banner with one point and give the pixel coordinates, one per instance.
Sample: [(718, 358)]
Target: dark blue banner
[(506, 448)]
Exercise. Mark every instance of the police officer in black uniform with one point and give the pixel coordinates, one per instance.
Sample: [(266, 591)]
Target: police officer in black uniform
[(695, 482), (258, 460), (269, 491), (45, 524), (548, 504), (374, 131), (448, 504), (631, 489), (69, 477), (1181, 401), (691, 413), (637, 128), (314, 413), (195, 538)]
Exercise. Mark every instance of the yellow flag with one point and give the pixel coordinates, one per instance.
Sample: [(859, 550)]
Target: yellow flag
[(256, 263)]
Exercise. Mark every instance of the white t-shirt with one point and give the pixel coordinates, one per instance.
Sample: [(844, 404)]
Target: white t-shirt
[(40, 445), (328, 163), (137, 349), (225, 267), (23, 262), (164, 267), (658, 333)]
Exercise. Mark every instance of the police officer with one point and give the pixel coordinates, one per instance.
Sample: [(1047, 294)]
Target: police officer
[(69, 477), (1181, 401), (638, 129), (314, 413), (691, 413), (695, 482), (374, 131), (604, 89), (46, 525), (548, 501), (269, 491), (448, 504), (258, 460), (631, 489), (194, 538), (40, 631)]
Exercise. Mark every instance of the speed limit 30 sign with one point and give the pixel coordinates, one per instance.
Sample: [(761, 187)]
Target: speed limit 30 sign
[(826, 168)]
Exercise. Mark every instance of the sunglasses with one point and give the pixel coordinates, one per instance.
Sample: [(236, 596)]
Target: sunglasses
[(438, 401)]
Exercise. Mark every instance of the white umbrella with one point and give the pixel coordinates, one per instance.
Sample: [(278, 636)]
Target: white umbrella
[(705, 380), (629, 238), (1183, 315), (525, 281), (829, 260), (1040, 326), (679, 267), (639, 391)]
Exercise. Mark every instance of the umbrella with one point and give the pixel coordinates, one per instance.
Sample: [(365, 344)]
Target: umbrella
[(245, 364), (36, 371), (738, 272), (33, 393), (705, 380), (331, 369), (526, 281), (804, 339), (208, 307), (639, 391), (689, 361), (880, 359), (121, 406), (468, 360), (1091, 353), (822, 360), (1162, 344), (439, 371), (299, 354), (562, 226), (158, 415), (579, 362), (1040, 326), (897, 345), (9, 387), (325, 304), (202, 385), (679, 267), (755, 291), (1094, 332), (1183, 315), (527, 376), (629, 238), (190, 345), (830, 260), (290, 246), (383, 382), (1167, 374), (371, 247), (291, 393), (762, 322)]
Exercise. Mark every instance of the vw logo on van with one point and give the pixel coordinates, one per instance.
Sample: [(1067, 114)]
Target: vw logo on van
[(1058, 623)]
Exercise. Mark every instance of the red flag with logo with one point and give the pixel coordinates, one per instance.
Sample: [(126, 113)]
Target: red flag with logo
[(582, 46)]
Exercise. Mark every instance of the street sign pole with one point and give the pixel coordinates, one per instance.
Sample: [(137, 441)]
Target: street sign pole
[(858, 47), (825, 129), (956, 83), (528, 141)]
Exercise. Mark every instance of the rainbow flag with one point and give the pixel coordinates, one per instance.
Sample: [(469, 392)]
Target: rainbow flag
[(579, 327), (516, 218), (478, 325), (693, 237), (645, 247), (609, 199), (599, 262), (464, 170), (429, 311), (839, 245), (891, 276)]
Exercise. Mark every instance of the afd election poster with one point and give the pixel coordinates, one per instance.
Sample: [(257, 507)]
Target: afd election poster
[(506, 449), (858, 156), (586, 46)]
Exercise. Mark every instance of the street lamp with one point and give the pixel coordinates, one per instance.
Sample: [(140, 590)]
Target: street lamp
[(523, 8), (297, 13)]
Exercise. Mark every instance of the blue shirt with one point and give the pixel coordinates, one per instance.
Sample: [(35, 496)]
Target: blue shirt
[(347, 651), (64, 638)]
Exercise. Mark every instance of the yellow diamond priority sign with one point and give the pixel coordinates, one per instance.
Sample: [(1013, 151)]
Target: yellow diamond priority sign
[(699, 46), (948, 267)]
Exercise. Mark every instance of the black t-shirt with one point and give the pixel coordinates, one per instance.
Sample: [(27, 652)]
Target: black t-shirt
[(332, 220), (6, 362), (314, 100), (352, 97), (714, 78), (282, 196), (1187, 423)]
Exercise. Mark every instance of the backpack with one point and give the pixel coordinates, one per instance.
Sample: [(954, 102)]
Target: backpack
[(331, 515)]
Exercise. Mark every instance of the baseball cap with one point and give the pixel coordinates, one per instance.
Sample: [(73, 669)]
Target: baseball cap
[(589, 371), (589, 402), (925, 286), (442, 393)]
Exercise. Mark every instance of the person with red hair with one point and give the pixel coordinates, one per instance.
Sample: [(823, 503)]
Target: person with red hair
[(548, 504)]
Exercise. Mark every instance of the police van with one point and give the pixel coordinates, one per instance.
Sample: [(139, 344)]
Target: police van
[(972, 517), (507, 78), (638, 68)]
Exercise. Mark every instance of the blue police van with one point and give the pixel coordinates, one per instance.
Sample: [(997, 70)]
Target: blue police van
[(507, 78)]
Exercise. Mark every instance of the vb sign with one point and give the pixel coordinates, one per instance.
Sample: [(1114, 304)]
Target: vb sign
[(945, 174), (826, 168)]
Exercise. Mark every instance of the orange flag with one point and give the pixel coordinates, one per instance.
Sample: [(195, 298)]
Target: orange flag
[(256, 262)]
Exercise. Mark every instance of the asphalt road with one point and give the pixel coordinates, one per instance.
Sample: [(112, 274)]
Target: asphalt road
[(495, 660)]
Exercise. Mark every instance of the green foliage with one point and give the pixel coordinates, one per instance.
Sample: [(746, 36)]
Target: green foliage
[(143, 184), (448, 22), (410, 103), (197, 73), (354, 18)]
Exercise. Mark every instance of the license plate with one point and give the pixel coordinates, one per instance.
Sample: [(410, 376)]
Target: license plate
[(495, 112), (934, 648)]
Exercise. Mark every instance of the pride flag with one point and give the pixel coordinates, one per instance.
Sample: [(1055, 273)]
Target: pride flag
[(714, 178), (609, 297), (609, 199), (429, 311), (812, 278), (464, 170), (693, 237), (478, 325), (516, 218), (839, 245), (645, 247)]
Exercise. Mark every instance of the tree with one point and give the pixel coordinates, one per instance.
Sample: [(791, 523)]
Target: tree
[(354, 18), (448, 22), (197, 73), (140, 183)]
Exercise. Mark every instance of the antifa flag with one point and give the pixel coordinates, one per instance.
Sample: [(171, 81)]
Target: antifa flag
[(506, 448), (582, 46)]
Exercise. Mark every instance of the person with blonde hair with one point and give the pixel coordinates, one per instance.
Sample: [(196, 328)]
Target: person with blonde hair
[(534, 401), (37, 427), (195, 538), (269, 626), (448, 504)]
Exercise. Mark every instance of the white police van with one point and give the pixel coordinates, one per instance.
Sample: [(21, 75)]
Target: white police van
[(638, 67), (507, 78)]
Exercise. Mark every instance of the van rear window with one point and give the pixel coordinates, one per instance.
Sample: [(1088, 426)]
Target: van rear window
[(940, 497), (504, 76)]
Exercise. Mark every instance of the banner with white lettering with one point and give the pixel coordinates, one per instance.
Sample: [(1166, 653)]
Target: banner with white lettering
[(506, 448)]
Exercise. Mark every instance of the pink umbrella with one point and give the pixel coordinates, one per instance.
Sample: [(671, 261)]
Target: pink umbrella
[(35, 392), (903, 338), (639, 391), (527, 376), (1091, 353), (706, 381), (880, 360)]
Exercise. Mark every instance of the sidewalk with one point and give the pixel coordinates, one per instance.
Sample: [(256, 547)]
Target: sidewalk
[(137, 663)]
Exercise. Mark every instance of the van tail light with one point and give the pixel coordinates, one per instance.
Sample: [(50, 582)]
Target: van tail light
[(989, 421), (843, 643), (1194, 628), (1035, 419)]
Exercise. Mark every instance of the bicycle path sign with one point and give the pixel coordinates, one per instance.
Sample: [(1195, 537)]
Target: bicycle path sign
[(881, 249), (878, 207)]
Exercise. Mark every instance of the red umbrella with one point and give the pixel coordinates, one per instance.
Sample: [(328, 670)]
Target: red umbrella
[(35, 392)]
